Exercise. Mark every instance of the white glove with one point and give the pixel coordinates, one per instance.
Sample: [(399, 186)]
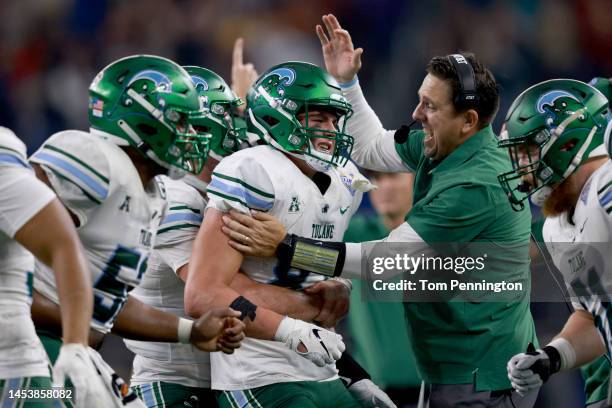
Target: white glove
[(322, 346), (74, 362), (522, 378), (115, 392), (369, 395)]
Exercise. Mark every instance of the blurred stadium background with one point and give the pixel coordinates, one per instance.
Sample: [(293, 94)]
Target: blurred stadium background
[(51, 49)]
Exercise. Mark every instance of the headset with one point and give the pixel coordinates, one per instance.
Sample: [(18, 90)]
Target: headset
[(467, 96)]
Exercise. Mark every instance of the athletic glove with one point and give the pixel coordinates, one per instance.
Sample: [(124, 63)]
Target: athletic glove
[(369, 395), (318, 345), (74, 362), (530, 370), (360, 385), (115, 392)]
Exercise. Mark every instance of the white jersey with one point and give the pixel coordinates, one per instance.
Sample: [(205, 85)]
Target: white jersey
[(23, 196), (264, 179), (118, 218), (163, 289), (582, 251)]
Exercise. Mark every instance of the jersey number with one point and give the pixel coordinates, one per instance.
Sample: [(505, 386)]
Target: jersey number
[(123, 272)]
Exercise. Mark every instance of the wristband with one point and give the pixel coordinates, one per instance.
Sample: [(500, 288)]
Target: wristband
[(565, 351), (184, 330), (321, 257), (348, 84), (284, 329), (350, 371)]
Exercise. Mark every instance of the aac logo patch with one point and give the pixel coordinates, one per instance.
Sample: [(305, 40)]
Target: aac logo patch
[(295, 204)]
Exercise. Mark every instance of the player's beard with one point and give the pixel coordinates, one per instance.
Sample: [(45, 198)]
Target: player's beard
[(562, 198)]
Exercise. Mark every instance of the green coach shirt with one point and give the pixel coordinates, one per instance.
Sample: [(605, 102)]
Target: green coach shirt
[(459, 200), (380, 343)]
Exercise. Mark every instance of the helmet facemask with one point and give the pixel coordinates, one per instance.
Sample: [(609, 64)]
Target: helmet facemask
[(283, 120), (545, 158), (220, 121)]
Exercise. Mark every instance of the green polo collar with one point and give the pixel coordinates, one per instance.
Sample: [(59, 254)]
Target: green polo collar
[(482, 139)]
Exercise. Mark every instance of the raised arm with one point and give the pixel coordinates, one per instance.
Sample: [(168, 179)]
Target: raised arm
[(374, 146)]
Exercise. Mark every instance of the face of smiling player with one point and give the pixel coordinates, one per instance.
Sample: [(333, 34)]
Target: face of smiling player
[(323, 120), (441, 123)]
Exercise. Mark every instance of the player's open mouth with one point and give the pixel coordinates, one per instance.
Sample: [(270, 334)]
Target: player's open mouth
[(324, 147), (428, 136)]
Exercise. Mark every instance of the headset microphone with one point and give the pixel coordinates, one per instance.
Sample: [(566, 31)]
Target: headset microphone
[(401, 134)]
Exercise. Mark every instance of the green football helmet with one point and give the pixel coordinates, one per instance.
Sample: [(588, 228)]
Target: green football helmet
[(286, 90), (227, 132), (604, 85), (550, 130), (148, 102)]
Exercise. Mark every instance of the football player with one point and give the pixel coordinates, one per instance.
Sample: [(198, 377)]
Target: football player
[(140, 110), (297, 109), (32, 219), (554, 132), (165, 374), (170, 374)]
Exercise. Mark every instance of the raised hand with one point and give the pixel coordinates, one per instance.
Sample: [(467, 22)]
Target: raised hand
[(342, 60), (243, 75)]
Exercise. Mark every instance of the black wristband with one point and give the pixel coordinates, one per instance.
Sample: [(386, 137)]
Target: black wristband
[(350, 371), (321, 257), (554, 357), (245, 307), (545, 367)]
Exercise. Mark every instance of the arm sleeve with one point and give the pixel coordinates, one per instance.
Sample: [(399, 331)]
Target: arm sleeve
[(374, 146), (241, 183), (23, 196), (356, 252)]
